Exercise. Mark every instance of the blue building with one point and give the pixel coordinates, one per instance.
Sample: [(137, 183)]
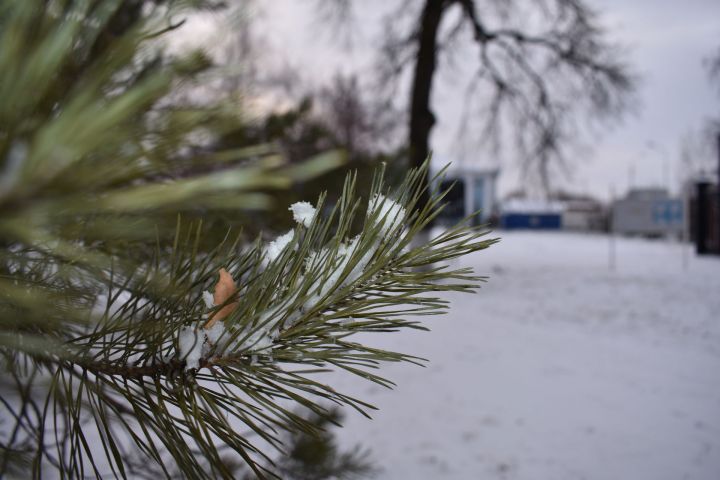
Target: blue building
[(531, 215)]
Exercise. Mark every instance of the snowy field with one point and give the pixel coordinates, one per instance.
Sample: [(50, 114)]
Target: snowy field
[(558, 369)]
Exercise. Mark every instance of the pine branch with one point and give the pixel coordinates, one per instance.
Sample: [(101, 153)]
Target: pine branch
[(121, 337)]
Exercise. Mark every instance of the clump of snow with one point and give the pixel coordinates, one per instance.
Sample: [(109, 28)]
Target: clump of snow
[(345, 253), (195, 343), (303, 213), (388, 213), (190, 344), (325, 285), (270, 315), (277, 246), (114, 304), (262, 335), (215, 332), (258, 340), (281, 315), (293, 318), (208, 299), (316, 258), (362, 263), (312, 301)]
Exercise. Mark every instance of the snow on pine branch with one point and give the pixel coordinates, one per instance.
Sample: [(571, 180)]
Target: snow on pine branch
[(303, 213), (213, 337)]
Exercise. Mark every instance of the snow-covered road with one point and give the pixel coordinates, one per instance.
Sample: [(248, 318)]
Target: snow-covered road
[(558, 369)]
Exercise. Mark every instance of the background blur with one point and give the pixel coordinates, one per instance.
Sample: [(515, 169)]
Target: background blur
[(594, 350), (585, 133)]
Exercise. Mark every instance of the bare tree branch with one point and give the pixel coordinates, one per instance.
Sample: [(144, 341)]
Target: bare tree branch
[(541, 66)]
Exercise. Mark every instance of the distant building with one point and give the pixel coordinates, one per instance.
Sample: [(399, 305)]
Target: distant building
[(473, 189), (582, 212), (531, 214), (648, 212), (562, 210)]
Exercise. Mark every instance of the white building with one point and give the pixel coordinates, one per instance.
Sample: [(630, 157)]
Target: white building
[(474, 190), (650, 212)]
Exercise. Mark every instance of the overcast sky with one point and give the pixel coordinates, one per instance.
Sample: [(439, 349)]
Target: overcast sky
[(666, 40)]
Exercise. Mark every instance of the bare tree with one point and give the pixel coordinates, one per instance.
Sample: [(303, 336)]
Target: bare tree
[(712, 64), (699, 150), (713, 67), (698, 156), (538, 66)]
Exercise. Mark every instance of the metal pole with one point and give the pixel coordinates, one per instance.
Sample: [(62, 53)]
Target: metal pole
[(611, 233), (685, 233)]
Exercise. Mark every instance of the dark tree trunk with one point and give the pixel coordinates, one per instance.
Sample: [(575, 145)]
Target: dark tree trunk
[(421, 117)]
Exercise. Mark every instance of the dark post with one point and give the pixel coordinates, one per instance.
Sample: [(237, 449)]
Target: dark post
[(701, 217), (716, 239)]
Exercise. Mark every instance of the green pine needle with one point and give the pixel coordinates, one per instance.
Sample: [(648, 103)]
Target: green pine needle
[(104, 265)]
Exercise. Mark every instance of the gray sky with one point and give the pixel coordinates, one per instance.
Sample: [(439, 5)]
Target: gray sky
[(666, 42)]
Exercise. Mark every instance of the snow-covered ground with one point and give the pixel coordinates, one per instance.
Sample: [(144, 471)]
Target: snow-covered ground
[(558, 369)]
